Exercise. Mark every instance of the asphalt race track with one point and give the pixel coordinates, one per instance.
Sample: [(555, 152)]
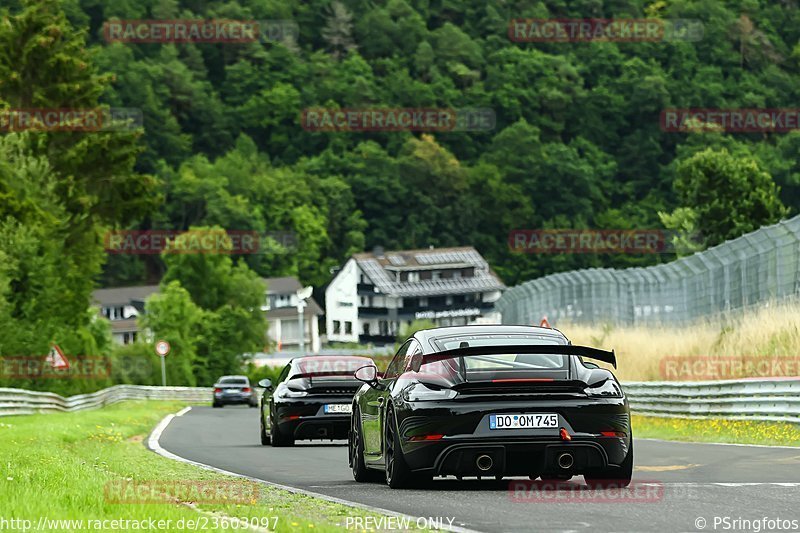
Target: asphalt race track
[(682, 486)]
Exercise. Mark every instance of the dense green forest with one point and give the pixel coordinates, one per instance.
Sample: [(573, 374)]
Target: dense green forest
[(577, 141)]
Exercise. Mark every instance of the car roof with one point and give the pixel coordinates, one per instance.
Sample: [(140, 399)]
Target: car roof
[(425, 335), (322, 356), (237, 377)]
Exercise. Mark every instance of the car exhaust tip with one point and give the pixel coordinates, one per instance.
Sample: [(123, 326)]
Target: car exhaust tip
[(484, 463), (565, 460)]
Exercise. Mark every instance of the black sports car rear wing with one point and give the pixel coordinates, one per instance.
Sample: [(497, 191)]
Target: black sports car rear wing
[(556, 349)]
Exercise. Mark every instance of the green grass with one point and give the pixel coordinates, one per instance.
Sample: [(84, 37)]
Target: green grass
[(716, 430), (58, 465)]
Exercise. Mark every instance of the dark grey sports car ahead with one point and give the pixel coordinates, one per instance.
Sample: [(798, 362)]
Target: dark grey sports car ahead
[(230, 390), (311, 400), (491, 401)]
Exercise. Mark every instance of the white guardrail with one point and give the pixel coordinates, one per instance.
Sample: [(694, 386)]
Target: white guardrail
[(26, 402), (776, 400)]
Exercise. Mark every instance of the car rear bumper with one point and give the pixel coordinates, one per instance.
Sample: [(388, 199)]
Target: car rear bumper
[(306, 419), (316, 427), (232, 399), (516, 457), (599, 437)]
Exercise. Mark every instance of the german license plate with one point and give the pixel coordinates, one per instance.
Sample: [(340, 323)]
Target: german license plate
[(343, 408), (523, 421), (232, 391)]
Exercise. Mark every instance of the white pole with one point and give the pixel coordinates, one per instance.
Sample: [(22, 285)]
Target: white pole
[(300, 320)]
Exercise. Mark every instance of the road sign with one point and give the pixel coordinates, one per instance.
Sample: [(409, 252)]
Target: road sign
[(56, 358), (544, 323), (305, 293), (162, 348)]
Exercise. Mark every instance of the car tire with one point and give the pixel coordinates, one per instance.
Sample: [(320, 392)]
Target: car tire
[(253, 405), (277, 438), (398, 474), (614, 477), (263, 431), (216, 405), (355, 448)]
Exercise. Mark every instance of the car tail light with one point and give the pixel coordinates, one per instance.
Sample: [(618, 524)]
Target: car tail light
[(523, 380), (418, 438), (619, 434), (217, 389), (564, 434), (246, 389)]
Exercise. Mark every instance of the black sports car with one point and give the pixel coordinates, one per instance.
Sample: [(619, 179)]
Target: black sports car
[(312, 399), (491, 401)]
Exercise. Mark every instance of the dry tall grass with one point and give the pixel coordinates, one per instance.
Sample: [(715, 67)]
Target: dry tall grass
[(772, 333)]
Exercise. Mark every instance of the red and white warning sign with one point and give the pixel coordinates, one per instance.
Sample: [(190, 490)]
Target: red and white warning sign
[(544, 323), (56, 358), (162, 348)]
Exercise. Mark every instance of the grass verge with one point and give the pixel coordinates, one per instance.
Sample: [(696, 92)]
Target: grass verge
[(59, 466), (716, 430)]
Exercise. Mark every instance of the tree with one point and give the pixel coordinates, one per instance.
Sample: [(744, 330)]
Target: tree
[(407, 330), (338, 30), (171, 315), (724, 196), (229, 297)]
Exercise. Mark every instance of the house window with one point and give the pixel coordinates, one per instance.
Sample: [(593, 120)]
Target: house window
[(337, 327), (348, 327), (366, 328), (126, 338), (383, 327)]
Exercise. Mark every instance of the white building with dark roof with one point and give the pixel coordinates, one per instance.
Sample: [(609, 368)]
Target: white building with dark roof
[(122, 305), (374, 294)]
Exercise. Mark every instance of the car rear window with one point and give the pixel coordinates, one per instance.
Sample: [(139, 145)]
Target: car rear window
[(233, 381), (338, 367), (494, 367)]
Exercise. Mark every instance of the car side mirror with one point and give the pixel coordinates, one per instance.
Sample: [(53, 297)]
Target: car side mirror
[(265, 384), (368, 374)]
